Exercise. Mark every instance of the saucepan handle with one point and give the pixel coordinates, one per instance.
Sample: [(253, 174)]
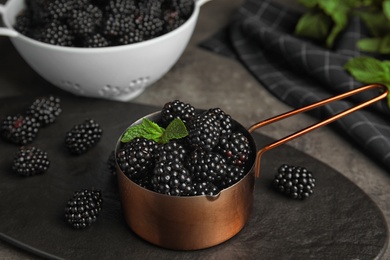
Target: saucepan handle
[(317, 125), (6, 31)]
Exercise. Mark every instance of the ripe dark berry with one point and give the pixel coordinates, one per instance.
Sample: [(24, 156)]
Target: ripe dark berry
[(171, 151), (205, 188), (207, 166), (233, 175), (235, 148), (171, 178), (30, 161), (137, 158), (204, 131), (45, 110), (83, 208), (55, 33), (224, 119), (177, 108), (294, 181), (19, 129), (83, 136)]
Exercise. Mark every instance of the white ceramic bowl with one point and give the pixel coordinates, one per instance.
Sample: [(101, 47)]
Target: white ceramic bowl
[(117, 73)]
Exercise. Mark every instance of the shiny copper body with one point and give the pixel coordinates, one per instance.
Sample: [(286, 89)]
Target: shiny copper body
[(189, 223)]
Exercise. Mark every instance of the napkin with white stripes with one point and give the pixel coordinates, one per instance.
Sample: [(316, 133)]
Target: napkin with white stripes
[(300, 72)]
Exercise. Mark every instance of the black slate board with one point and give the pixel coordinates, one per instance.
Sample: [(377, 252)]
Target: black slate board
[(339, 221)]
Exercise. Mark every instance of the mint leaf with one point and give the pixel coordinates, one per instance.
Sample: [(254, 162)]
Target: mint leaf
[(386, 8), (375, 45), (313, 25), (147, 129), (370, 70), (377, 22), (175, 130)]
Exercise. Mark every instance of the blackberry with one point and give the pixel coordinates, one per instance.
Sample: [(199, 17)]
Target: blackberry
[(23, 23), (45, 110), (204, 131), (30, 161), (85, 21), (204, 188), (55, 33), (19, 129), (171, 151), (233, 175), (171, 178), (150, 26), (136, 158), (119, 25), (177, 108), (83, 208), (294, 181), (225, 120), (95, 41), (235, 148), (83, 136), (207, 166)]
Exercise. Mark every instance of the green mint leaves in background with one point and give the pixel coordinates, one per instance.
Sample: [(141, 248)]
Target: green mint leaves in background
[(324, 20), (152, 131), (370, 70)]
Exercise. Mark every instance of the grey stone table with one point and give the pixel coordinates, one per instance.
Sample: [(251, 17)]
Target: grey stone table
[(205, 79)]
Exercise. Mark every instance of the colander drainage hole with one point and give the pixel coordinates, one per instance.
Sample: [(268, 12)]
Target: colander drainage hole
[(134, 86)]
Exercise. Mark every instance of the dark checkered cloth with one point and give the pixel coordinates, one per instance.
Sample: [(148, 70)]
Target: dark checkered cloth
[(300, 72)]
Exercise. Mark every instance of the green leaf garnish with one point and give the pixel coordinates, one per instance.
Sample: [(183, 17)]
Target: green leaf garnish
[(370, 70), (152, 131)]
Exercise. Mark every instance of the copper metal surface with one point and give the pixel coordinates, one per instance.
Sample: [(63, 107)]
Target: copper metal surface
[(196, 222), (317, 125)]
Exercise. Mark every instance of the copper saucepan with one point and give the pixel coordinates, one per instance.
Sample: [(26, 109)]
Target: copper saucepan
[(189, 223)]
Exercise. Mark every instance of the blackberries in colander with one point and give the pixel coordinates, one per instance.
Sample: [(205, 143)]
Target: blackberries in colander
[(30, 161), (83, 136), (235, 148), (19, 129), (171, 178), (204, 131), (83, 208), (177, 108), (137, 158), (118, 21), (294, 181), (45, 109)]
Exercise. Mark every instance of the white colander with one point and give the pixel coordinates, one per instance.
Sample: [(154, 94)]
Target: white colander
[(117, 73)]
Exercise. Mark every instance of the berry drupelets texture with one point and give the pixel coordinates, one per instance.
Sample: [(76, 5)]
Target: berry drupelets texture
[(199, 152), (98, 23), (19, 129), (82, 137), (45, 110), (83, 208), (294, 181), (30, 161)]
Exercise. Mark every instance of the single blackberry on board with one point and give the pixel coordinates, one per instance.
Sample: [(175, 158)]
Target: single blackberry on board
[(30, 161), (235, 148), (207, 166), (204, 131), (294, 181), (136, 158), (83, 137), (19, 129), (83, 208), (177, 108), (171, 178), (45, 109)]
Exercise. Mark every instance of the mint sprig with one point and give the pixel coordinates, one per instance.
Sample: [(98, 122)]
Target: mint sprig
[(152, 131), (370, 70)]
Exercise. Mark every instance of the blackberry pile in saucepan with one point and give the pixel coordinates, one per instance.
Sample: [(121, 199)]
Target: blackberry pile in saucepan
[(101, 23), (209, 155)]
